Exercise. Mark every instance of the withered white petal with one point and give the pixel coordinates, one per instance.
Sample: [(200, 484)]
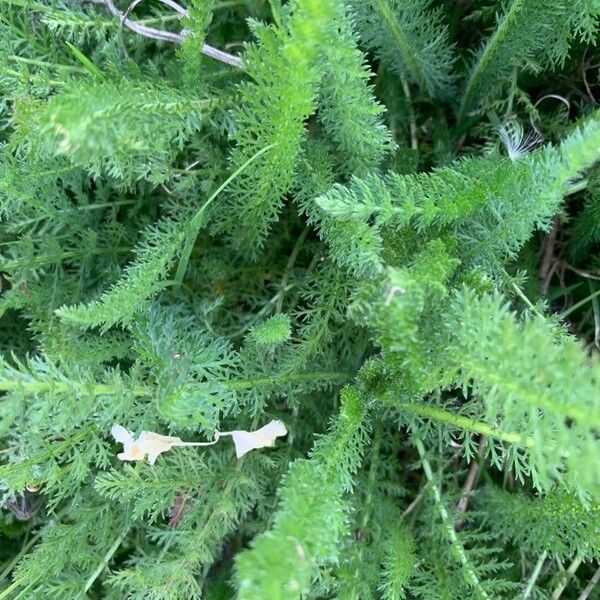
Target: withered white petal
[(150, 444), (250, 440), (121, 434)]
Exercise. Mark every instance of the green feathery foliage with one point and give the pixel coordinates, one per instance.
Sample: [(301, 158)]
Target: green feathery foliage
[(411, 39), (299, 300), (119, 304), (529, 34), (310, 520), (279, 107)]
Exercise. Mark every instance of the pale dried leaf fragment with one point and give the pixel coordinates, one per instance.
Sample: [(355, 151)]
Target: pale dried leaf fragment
[(250, 440), (151, 445), (147, 444)]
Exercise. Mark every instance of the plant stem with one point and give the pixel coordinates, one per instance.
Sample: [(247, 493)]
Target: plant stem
[(534, 576), (568, 311), (39, 260), (522, 295), (402, 43), (488, 54), (368, 504), (105, 561), (462, 422), (560, 588), (36, 387), (42, 63), (11, 588), (22, 593), (39, 387), (18, 557), (415, 502), (243, 384), (590, 586), (288, 268), (472, 577), (414, 143)]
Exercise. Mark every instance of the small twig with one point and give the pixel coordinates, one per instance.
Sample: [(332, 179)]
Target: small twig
[(579, 271), (560, 588), (414, 143), (590, 586), (463, 503), (415, 502), (166, 36), (149, 32), (534, 576), (546, 268), (584, 68)]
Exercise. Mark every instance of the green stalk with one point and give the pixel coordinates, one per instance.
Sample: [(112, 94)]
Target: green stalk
[(566, 577), (402, 43), (472, 577), (565, 313), (262, 381), (486, 58), (40, 387), (11, 588), (444, 416), (535, 575), (104, 563)]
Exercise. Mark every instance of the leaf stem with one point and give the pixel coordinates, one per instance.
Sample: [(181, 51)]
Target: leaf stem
[(534, 576), (288, 268), (445, 416), (590, 586), (106, 559), (487, 56), (566, 577), (574, 307), (11, 565), (402, 42), (472, 577), (11, 588), (37, 387)]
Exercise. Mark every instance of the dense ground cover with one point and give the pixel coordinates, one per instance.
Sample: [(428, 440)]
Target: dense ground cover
[(337, 261)]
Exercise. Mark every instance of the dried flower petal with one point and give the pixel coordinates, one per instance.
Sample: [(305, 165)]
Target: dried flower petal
[(250, 440), (151, 445), (154, 444), (121, 434), (147, 444)]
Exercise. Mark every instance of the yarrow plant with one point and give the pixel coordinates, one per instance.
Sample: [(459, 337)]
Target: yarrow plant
[(323, 230)]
